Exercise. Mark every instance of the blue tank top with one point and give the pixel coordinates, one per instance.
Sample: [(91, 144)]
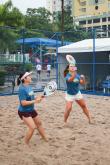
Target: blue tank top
[(73, 87)]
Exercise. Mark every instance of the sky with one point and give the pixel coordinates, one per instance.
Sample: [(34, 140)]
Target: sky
[(22, 5)]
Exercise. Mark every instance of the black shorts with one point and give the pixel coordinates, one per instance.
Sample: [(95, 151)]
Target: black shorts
[(38, 72), (27, 114)]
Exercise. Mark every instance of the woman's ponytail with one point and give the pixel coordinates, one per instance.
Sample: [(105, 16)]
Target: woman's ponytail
[(66, 70), (19, 81)]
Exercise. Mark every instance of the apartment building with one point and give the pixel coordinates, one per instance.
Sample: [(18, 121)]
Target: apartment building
[(55, 5), (92, 14)]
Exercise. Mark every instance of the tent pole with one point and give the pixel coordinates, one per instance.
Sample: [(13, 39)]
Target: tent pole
[(23, 32), (41, 53), (94, 53), (57, 60)]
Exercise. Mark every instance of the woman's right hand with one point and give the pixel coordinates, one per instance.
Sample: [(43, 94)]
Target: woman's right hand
[(72, 76), (38, 99)]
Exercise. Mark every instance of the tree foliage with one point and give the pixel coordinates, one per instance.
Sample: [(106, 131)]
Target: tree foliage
[(7, 39), (9, 17), (38, 19), (37, 23)]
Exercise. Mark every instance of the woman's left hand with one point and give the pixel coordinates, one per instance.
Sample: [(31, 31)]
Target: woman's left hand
[(82, 76), (82, 79)]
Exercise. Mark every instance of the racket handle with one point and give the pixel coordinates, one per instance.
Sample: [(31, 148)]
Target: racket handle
[(44, 94)]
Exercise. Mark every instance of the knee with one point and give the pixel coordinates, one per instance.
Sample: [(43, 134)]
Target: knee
[(39, 124), (32, 128)]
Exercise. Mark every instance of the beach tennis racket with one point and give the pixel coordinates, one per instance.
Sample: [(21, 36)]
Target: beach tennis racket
[(70, 59), (50, 88)]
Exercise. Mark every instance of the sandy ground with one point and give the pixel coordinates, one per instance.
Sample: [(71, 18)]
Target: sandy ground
[(78, 143)]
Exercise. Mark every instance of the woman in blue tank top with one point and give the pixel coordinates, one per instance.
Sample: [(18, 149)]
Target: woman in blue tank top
[(26, 109), (73, 80)]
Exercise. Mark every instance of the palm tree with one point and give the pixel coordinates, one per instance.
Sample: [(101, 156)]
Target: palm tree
[(4, 11), (9, 17)]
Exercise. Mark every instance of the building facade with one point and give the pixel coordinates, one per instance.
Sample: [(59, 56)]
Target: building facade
[(92, 14), (55, 5)]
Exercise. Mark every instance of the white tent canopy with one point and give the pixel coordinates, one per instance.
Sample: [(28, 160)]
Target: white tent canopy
[(101, 44)]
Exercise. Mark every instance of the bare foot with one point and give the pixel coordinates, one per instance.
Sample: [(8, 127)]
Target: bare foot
[(66, 125), (26, 142), (45, 139), (92, 121)]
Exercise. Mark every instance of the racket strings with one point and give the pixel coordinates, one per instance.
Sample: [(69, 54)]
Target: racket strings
[(50, 88)]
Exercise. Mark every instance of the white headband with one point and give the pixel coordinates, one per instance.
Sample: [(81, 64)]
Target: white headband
[(25, 75)]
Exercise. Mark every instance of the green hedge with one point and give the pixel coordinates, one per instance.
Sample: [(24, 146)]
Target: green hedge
[(2, 77)]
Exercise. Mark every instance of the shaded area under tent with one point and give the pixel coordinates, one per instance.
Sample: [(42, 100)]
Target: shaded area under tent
[(93, 60)]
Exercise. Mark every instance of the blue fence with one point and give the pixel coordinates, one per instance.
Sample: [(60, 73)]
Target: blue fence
[(91, 53)]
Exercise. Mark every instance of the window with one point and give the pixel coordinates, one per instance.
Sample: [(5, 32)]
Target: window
[(96, 1), (104, 27), (82, 22), (89, 28), (89, 21), (83, 9), (109, 5), (103, 19), (83, 3), (108, 27), (97, 27), (96, 7), (96, 20)]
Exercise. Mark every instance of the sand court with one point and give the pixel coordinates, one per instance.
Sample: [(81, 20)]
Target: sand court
[(77, 143)]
